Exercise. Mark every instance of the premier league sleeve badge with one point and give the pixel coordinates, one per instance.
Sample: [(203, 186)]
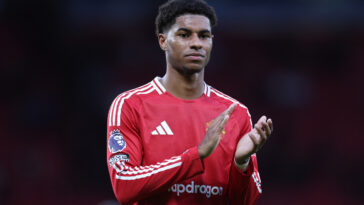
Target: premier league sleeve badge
[(116, 142)]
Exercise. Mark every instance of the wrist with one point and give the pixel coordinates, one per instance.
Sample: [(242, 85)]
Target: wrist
[(241, 161), (200, 152), (243, 166)]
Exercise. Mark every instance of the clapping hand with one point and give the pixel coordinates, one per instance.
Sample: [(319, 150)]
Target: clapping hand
[(253, 141)]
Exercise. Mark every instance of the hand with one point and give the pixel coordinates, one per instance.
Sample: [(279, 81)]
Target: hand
[(212, 136), (253, 140)]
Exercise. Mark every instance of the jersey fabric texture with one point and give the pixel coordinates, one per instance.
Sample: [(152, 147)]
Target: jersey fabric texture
[(152, 155)]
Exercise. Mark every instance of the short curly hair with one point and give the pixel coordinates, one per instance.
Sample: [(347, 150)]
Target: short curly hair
[(169, 11)]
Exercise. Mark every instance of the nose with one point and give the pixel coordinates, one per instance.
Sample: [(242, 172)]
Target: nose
[(196, 43)]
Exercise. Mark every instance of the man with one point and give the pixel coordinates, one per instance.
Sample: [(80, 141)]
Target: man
[(177, 140)]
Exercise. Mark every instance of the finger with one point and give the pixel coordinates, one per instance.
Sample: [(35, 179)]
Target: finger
[(262, 134), (222, 119), (261, 120), (270, 123), (219, 119), (266, 129), (231, 108), (254, 139), (226, 119)]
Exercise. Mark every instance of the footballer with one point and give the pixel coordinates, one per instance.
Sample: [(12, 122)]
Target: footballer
[(176, 139)]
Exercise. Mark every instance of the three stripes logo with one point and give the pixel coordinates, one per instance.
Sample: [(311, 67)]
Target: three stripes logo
[(162, 129)]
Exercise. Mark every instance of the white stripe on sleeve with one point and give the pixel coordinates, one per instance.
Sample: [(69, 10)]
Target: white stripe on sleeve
[(115, 107), (111, 110), (146, 92), (150, 173), (122, 102)]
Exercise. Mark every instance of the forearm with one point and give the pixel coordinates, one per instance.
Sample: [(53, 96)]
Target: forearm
[(244, 186), (133, 183), (242, 165)]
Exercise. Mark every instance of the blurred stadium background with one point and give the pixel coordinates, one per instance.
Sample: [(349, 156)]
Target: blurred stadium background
[(63, 62)]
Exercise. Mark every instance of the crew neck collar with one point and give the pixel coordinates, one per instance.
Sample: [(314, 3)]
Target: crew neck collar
[(161, 89)]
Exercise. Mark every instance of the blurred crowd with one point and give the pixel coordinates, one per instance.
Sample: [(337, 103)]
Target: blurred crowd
[(63, 62)]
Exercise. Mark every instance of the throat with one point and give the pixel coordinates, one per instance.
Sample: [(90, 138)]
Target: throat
[(184, 87), (188, 92)]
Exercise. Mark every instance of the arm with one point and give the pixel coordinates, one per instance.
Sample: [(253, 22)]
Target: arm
[(245, 183), (245, 186), (131, 181)]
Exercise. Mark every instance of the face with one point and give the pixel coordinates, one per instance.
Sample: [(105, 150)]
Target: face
[(188, 43)]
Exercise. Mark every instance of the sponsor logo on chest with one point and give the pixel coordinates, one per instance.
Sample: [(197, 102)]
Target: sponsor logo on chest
[(193, 188)]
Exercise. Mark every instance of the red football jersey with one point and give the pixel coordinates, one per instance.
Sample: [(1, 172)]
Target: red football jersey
[(152, 156)]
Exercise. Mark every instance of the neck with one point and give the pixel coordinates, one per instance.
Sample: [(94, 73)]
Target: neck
[(187, 87)]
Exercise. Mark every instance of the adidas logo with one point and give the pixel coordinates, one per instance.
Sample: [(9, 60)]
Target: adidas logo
[(162, 129)]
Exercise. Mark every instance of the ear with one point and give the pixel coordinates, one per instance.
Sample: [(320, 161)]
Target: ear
[(162, 39)]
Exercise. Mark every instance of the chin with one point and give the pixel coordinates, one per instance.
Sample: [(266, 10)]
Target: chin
[(189, 70)]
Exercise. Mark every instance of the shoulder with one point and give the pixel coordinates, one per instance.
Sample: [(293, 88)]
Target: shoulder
[(223, 98), (127, 103), (136, 96)]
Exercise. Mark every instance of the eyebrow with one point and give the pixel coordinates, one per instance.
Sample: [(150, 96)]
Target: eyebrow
[(188, 30)]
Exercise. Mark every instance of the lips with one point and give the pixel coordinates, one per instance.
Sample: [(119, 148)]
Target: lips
[(195, 56)]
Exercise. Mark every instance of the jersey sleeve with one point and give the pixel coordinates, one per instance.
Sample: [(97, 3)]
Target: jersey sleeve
[(132, 181), (245, 187)]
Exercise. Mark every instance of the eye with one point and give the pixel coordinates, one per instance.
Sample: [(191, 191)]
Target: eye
[(204, 36), (183, 35)]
